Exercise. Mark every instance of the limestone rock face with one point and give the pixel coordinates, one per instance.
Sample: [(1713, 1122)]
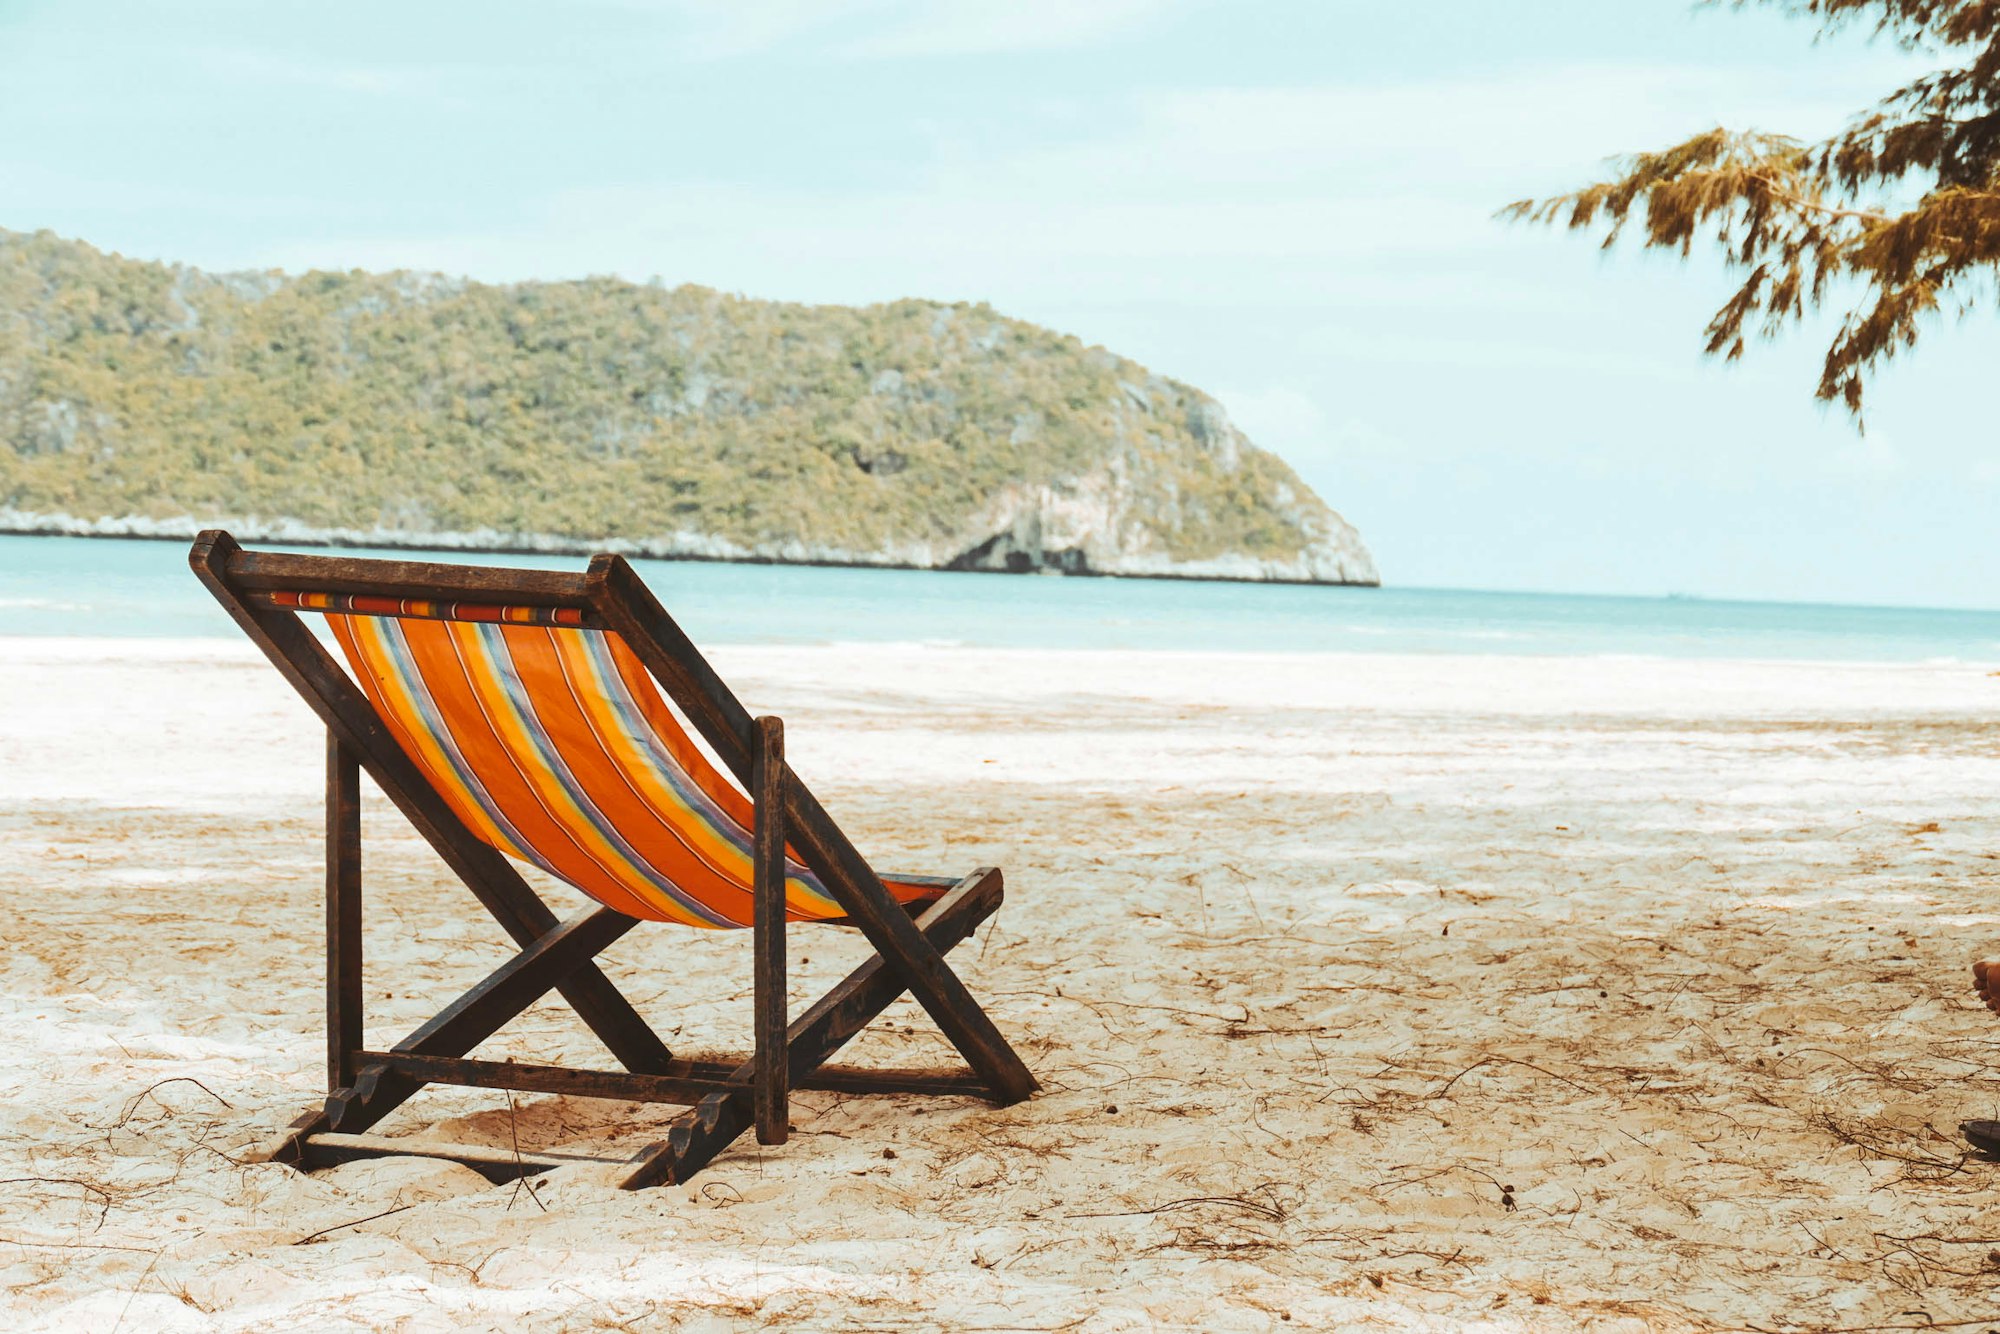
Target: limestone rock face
[(1101, 523), (418, 411), (1118, 517)]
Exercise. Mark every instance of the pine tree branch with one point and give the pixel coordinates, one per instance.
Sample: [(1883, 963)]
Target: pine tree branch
[(1788, 213), (1825, 210)]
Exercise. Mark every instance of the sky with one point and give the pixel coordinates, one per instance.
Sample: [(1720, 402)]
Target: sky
[(1287, 203)]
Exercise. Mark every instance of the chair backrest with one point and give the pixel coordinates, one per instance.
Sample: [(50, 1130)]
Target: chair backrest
[(544, 732)]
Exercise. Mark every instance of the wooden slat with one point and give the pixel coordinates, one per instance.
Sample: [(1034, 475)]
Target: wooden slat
[(697, 1136), (343, 912), (265, 571), (937, 881), (270, 602), (524, 1077), (285, 1147), (768, 926), (688, 1082), (859, 1079), (495, 1164)]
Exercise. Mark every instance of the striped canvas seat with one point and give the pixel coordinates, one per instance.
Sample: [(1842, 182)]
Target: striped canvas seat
[(551, 742)]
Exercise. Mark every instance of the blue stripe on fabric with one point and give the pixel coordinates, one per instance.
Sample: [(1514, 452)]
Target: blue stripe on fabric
[(691, 794), (389, 635), (493, 640), (670, 820)]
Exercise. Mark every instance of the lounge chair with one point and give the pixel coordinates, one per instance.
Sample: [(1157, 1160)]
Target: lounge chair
[(513, 715)]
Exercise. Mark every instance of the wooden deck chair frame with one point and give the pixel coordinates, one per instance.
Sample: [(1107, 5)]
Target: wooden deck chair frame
[(725, 1098)]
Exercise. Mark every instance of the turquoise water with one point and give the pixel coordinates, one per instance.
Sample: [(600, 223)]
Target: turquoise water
[(106, 587)]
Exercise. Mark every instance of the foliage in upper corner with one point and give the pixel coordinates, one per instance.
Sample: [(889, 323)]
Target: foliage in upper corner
[(595, 409), (1805, 221)]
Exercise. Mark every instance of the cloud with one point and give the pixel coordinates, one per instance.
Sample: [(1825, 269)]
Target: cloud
[(974, 27), (1283, 195), (1479, 138), (1069, 236), (726, 28), (1367, 209), (905, 29)]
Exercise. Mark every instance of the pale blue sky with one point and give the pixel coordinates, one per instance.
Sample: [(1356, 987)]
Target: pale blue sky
[(1287, 204)]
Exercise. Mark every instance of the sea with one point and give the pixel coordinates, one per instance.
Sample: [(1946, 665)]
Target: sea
[(111, 587)]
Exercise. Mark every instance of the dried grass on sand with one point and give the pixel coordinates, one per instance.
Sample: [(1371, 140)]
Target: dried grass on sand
[(1368, 991)]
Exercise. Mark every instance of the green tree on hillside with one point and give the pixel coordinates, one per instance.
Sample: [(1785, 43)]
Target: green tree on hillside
[(1903, 205), (403, 407)]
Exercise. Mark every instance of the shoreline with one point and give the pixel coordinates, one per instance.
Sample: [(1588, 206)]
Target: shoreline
[(1510, 684), (71, 646), (286, 533)]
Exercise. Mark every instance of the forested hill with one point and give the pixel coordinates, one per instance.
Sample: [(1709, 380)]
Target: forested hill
[(411, 409)]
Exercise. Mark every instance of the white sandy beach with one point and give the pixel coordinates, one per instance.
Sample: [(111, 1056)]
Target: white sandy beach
[(1368, 992)]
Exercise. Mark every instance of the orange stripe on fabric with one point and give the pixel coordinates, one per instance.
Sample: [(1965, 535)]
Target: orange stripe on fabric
[(608, 876), (592, 866), (801, 901), (606, 786), (727, 857), (614, 772), (360, 637), (663, 722), (699, 859), (506, 771), (720, 790), (523, 684), (706, 866)]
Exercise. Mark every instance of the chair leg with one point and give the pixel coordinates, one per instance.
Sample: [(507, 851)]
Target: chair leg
[(856, 887), (715, 1123), (771, 1079), (343, 948), (343, 912)]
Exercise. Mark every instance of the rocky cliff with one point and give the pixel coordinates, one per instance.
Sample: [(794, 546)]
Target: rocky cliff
[(413, 410)]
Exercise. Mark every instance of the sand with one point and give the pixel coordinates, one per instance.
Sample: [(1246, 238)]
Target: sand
[(1368, 991)]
